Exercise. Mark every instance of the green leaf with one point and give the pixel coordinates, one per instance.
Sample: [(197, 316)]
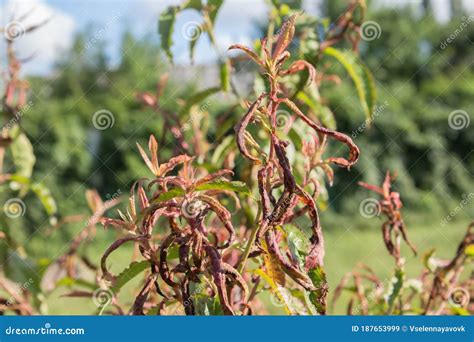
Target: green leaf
[(68, 282), (317, 297), (395, 287), (40, 190), (23, 155), (204, 305), (192, 4), (295, 138), (166, 28), (298, 242), (45, 197), (361, 76), (198, 98), (235, 186), (214, 6), (134, 269), (221, 150), (166, 196), (193, 42), (225, 75), (310, 97), (327, 117)]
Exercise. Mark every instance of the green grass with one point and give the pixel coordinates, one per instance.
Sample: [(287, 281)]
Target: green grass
[(345, 247)]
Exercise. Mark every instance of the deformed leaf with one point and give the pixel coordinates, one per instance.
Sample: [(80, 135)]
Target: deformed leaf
[(274, 270)]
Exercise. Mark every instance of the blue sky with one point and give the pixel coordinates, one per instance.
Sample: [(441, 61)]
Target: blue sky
[(235, 24)]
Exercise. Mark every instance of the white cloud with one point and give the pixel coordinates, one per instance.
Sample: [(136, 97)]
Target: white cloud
[(47, 42)]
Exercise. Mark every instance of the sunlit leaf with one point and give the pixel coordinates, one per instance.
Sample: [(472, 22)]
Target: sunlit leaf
[(214, 6), (170, 194), (134, 269), (235, 186), (361, 76), (317, 297), (225, 75), (166, 28), (23, 155), (395, 287)]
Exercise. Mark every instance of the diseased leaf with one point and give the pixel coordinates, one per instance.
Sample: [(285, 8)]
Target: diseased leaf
[(361, 76), (274, 270)]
